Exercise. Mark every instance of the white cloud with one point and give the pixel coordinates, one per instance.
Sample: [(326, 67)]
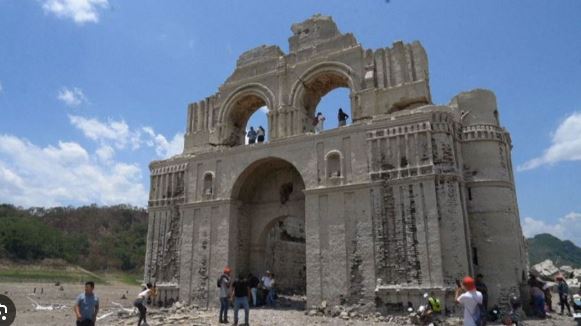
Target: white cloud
[(80, 11), (566, 145), (565, 228), (110, 132), (121, 135), (32, 175), (105, 153), (71, 97), (163, 147), (263, 109)]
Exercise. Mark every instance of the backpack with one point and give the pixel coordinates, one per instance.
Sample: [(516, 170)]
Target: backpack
[(218, 283), (435, 304)]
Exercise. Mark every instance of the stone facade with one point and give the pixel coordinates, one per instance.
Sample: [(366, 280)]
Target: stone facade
[(408, 198)]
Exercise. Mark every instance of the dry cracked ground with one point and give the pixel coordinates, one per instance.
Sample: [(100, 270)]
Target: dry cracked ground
[(47, 304)]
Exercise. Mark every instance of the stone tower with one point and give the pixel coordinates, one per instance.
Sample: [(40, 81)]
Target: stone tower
[(408, 198)]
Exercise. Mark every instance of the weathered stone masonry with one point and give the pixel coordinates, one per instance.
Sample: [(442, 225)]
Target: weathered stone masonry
[(408, 198)]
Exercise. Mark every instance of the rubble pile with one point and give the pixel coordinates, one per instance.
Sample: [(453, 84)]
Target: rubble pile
[(547, 271)]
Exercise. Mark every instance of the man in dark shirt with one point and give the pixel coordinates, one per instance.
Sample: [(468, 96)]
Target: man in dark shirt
[(253, 283), (342, 117), (240, 294), (481, 287)]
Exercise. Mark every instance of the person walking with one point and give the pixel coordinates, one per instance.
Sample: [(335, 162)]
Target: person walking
[(481, 287), (252, 136), (224, 285), (471, 299), (140, 301), (319, 122), (240, 294), (563, 288), (342, 117), (87, 306), (253, 282), (260, 133)]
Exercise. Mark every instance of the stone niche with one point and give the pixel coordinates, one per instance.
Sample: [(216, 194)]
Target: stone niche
[(404, 200)]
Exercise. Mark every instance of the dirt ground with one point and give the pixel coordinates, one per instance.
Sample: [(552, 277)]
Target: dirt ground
[(56, 306)]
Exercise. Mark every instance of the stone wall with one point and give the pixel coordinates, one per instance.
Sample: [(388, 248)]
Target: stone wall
[(407, 199)]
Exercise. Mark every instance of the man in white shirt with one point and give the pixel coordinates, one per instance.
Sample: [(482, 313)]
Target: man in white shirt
[(268, 283), (467, 296)]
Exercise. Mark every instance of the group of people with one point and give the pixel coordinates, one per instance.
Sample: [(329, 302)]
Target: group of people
[(256, 135), (472, 294), (319, 120), (243, 292), (541, 296), (87, 305)]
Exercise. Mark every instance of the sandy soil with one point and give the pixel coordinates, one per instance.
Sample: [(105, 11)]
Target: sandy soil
[(61, 303)]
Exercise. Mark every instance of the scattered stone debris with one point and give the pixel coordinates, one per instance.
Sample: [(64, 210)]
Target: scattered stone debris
[(547, 271), (38, 307), (354, 312)]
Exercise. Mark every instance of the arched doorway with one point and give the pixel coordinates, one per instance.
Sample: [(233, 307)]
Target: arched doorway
[(271, 223)]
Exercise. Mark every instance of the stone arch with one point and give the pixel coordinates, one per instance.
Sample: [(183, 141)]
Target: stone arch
[(269, 202), (320, 79), (208, 184), (237, 109), (334, 164), (248, 171)]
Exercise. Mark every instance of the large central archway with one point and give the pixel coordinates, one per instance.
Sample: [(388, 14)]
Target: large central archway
[(271, 223)]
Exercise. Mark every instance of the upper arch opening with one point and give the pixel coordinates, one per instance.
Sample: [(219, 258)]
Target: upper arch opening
[(238, 109)]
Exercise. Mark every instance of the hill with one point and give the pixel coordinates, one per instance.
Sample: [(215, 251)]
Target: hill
[(107, 238), (545, 246)]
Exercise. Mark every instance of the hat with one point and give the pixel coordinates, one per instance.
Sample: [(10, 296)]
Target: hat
[(468, 283), (227, 270)]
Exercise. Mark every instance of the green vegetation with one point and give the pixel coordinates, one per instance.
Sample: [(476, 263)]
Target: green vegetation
[(545, 246), (104, 239), (23, 274)]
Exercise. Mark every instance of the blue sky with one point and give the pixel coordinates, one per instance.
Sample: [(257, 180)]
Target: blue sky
[(92, 90)]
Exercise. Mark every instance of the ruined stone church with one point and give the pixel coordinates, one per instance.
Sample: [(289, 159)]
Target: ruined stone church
[(408, 198)]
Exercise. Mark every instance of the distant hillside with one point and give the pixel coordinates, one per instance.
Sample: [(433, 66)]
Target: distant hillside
[(107, 238), (545, 246)]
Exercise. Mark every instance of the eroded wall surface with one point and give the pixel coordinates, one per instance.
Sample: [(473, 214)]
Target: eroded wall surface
[(408, 198)]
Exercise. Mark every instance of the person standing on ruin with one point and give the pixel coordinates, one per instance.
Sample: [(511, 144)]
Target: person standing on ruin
[(87, 306), (342, 117), (140, 301), (471, 299), (319, 122), (224, 285), (252, 136), (240, 295), (260, 133)]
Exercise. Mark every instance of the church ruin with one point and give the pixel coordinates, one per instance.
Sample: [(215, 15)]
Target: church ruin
[(408, 198)]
